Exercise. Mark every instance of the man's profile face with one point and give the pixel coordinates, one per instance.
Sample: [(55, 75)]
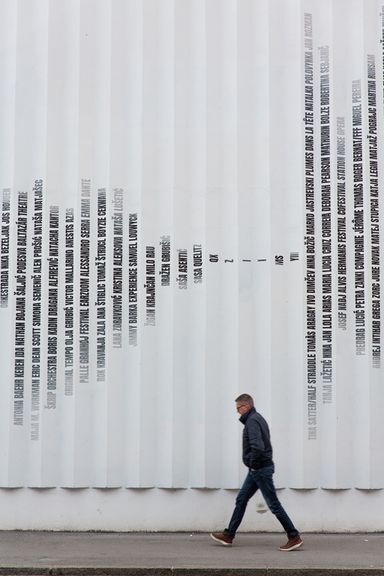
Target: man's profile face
[(242, 408)]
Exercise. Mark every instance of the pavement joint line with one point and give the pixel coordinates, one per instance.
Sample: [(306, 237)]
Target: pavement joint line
[(186, 571)]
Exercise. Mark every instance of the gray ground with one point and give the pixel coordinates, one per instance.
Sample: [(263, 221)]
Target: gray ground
[(187, 553)]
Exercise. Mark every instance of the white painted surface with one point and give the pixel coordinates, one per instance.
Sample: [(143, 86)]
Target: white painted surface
[(184, 510), (192, 119)]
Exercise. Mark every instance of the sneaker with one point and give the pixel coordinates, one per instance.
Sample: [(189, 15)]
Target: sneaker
[(223, 537), (292, 544)]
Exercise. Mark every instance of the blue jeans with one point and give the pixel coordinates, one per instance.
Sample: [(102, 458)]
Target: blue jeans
[(255, 480)]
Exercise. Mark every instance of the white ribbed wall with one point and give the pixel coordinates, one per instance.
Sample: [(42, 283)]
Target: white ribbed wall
[(193, 120)]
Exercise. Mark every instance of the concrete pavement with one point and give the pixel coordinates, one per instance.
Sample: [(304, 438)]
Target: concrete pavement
[(187, 554)]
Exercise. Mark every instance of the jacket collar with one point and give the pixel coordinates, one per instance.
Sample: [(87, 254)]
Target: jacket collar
[(244, 417)]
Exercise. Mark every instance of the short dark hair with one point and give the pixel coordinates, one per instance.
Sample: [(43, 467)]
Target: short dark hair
[(246, 398)]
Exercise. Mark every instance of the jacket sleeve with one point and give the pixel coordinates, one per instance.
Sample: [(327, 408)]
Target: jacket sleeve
[(256, 442)]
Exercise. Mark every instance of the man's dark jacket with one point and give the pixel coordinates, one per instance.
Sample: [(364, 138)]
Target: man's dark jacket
[(257, 447)]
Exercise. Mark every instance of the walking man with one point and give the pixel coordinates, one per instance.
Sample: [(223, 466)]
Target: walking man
[(257, 457)]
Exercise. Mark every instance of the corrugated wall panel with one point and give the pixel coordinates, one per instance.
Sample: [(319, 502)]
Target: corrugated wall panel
[(190, 209)]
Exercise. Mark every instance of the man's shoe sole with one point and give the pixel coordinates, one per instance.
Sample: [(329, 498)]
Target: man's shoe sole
[(295, 547), (220, 541)]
